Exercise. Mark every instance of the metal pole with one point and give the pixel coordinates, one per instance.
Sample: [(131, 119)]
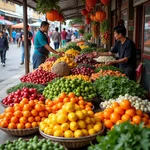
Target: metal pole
[(26, 47)]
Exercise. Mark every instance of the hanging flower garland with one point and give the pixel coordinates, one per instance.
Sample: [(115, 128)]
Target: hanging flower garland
[(105, 32), (95, 29)]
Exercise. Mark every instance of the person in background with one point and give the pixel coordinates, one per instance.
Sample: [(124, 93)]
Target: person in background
[(73, 37), (76, 33), (126, 50), (3, 47), (56, 37), (41, 46), (63, 37), (69, 34), (17, 36), (21, 39), (14, 36)]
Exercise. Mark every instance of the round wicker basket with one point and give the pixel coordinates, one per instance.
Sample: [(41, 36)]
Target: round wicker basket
[(20, 132), (73, 142)]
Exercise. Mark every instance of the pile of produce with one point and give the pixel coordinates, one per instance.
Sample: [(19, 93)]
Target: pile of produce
[(84, 59), (105, 59), (78, 86), (68, 60), (136, 101), (17, 96), (119, 113), (83, 47), (47, 66), (72, 46), (39, 76), (51, 59), (97, 65), (26, 114), (82, 70), (33, 144), (71, 121), (112, 86), (89, 44), (94, 76), (40, 88), (87, 50), (57, 103), (124, 137), (80, 76), (72, 52), (104, 67), (95, 29)]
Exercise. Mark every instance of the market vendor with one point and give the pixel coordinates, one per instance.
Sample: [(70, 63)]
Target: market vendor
[(41, 46), (126, 50)]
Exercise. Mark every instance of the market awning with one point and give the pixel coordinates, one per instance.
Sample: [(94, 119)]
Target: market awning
[(36, 24), (5, 22), (19, 25)]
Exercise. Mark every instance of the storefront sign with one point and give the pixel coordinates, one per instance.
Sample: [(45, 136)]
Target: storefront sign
[(138, 2)]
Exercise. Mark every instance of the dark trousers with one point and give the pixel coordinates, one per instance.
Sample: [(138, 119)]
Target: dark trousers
[(56, 45), (14, 40), (3, 56), (38, 60)]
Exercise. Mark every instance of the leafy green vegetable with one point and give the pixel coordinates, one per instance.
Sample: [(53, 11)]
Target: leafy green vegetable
[(72, 46), (40, 88), (112, 86), (87, 36), (124, 137), (87, 50), (108, 68), (91, 44)]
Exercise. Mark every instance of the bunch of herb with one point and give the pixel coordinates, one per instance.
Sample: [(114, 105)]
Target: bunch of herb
[(111, 87), (72, 45), (91, 44), (40, 88), (87, 50), (124, 137)]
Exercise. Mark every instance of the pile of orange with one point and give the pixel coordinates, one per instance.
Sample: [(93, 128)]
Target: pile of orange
[(26, 114), (54, 106), (71, 121), (119, 113)]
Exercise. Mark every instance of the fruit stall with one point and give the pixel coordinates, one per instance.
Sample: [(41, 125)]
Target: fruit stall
[(77, 102)]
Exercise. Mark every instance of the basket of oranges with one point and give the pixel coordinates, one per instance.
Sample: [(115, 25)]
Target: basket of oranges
[(72, 126), (24, 118)]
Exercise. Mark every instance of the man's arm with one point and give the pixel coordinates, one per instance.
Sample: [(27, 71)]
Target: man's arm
[(123, 60)]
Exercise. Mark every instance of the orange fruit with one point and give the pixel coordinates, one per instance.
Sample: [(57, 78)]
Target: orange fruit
[(27, 107), (81, 102), (26, 113), (114, 105), (130, 112), (47, 101), (54, 108), (18, 113), (119, 110), (108, 124), (146, 116), (11, 125), (20, 126), (119, 122), (81, 106), (63, 95), (28, 125), (125, 117), (145, 120), (41, 114), (114, 117), (101, 116), (39, 107), (73, 99), (88, 108), (49, 109), (50, 103), (8, 115), (9, 109), (4, 124), (34, 124), (32, 103), (23, 120), (25, 100), (66, 99), (71, 94), (137, 119), (59, 105), (46, 113), (34, 112), (17, 108), (14, 119), (139, 112), (125, 104), (107, 114), (37, 119), (2, 115), (31, 119)]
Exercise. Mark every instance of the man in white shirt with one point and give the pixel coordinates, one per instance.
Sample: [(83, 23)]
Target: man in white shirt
[(56, 37)]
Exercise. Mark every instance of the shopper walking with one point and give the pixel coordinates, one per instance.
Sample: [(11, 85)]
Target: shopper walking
[(14, 36), (41, 46), (63, 37), (21, 39), (56, 37), (3, 47), (69, 34)]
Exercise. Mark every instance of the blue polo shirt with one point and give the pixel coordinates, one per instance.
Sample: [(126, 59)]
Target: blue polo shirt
[(40, 40)]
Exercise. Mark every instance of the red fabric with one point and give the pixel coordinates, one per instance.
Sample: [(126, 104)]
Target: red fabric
[(63, 35)]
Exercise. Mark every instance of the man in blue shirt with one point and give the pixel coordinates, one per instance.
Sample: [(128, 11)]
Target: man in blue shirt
[(14, 36), (41, 46)]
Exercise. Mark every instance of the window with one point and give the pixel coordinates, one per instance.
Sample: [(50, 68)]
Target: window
[(147, 30), (124, 17)]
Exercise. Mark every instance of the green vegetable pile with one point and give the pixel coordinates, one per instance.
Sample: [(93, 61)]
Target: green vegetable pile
[(108, 68), (101, 50), (87, 50), (124, 137), (72, 46), (33, 144), (111, 87), (40, 88), (78, 86), (91, 44)]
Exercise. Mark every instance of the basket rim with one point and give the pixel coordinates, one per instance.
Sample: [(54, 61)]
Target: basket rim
[(6, 129), (4, 104), (66, 139)]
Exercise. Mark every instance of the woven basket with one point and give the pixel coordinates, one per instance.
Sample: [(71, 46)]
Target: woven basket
[(73, 142), (5, 106), (20, 132)]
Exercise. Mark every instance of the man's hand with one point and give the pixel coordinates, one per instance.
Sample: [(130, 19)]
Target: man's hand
[(110, 63), (92, 54), (60, 54)]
